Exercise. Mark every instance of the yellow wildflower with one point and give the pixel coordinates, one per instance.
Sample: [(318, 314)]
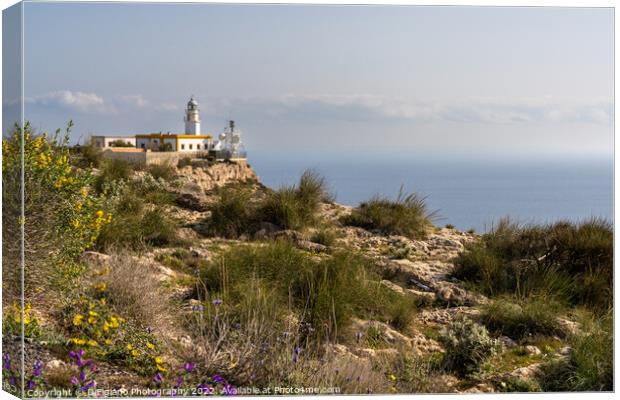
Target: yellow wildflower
[(107, 341), (84, 191), (158, 360), (77, 319), (93, 313), (99, 214), (129, 347), (92, 343), (150, 345), (135, 353), (392, 377), (101, 286), (113, 322), (92, 320), (75, 223), (160, 368)]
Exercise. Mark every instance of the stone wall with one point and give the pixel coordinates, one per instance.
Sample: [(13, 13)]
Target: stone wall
[(144, 157)]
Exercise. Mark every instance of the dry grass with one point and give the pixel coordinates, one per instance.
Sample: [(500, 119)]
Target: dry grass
[(135, 292)]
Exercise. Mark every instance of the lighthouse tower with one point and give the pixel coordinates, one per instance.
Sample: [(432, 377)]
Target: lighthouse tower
[(192, 118)]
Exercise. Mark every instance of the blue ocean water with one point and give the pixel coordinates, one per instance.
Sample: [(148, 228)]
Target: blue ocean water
[(466, 193)]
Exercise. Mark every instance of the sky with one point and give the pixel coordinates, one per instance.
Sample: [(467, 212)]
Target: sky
[(341, 81)]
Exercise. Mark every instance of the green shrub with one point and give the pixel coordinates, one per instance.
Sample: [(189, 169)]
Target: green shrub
[(295, 207), (324, 293), (113, 170), (232, 214), (467, 346), (572, 261), (135, 225), (517, 385), (406, 216), (86, 156), (184, 162), (518, 321), (120, 143), (324, 236), (161, 171), (589, 366)]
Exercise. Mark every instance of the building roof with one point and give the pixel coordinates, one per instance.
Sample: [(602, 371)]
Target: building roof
[(172, 136)]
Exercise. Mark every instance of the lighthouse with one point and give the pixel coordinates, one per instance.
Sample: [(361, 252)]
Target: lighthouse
[(192, 118)]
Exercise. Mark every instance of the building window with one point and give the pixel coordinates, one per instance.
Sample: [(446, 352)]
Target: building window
[(142, 145), (155, 141), (182, 147), (198, 147), (191, 146)]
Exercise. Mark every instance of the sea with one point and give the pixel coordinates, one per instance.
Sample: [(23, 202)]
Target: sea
[(467, 193)]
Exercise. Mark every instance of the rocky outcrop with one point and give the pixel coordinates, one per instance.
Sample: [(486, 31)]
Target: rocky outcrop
[(204, 178)]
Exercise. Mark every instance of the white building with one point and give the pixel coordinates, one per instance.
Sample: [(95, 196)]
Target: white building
[(229, 146), (105, 142), (190, 141)]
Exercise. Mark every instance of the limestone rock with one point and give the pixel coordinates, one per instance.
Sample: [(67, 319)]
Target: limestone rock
[(391, 285), (533, 350)]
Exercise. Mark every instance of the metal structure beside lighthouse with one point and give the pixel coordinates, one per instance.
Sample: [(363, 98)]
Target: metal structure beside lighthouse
[(192, 118)]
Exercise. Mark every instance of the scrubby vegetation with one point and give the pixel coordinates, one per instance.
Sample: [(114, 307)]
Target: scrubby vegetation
[(145, 277), (521, 320), (324, 294), (238, 210), (568, 261), (467, 345), (406, 216), (589, 365)]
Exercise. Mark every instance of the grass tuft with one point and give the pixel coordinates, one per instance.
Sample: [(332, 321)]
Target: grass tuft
[(406, 216)]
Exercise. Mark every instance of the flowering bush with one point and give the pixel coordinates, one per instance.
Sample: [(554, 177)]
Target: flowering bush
[(93, 324), (11, 324), (62, 215)]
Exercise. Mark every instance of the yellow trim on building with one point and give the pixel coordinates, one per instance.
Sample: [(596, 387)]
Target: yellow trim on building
[(172, 135)]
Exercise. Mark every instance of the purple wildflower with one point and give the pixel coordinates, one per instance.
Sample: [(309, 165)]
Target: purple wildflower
[(12, 381), (74, 380), (158, 378), (31, 384), (189, 366), (82, 375), (296, 353), (72, 354), (38, 364), (218, 379), (6, 361), (179, 381), (217, 302)]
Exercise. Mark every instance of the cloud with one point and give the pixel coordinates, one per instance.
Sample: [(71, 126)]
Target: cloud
[(79, 101), (355, 108), (366, 107), (133, 100)]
